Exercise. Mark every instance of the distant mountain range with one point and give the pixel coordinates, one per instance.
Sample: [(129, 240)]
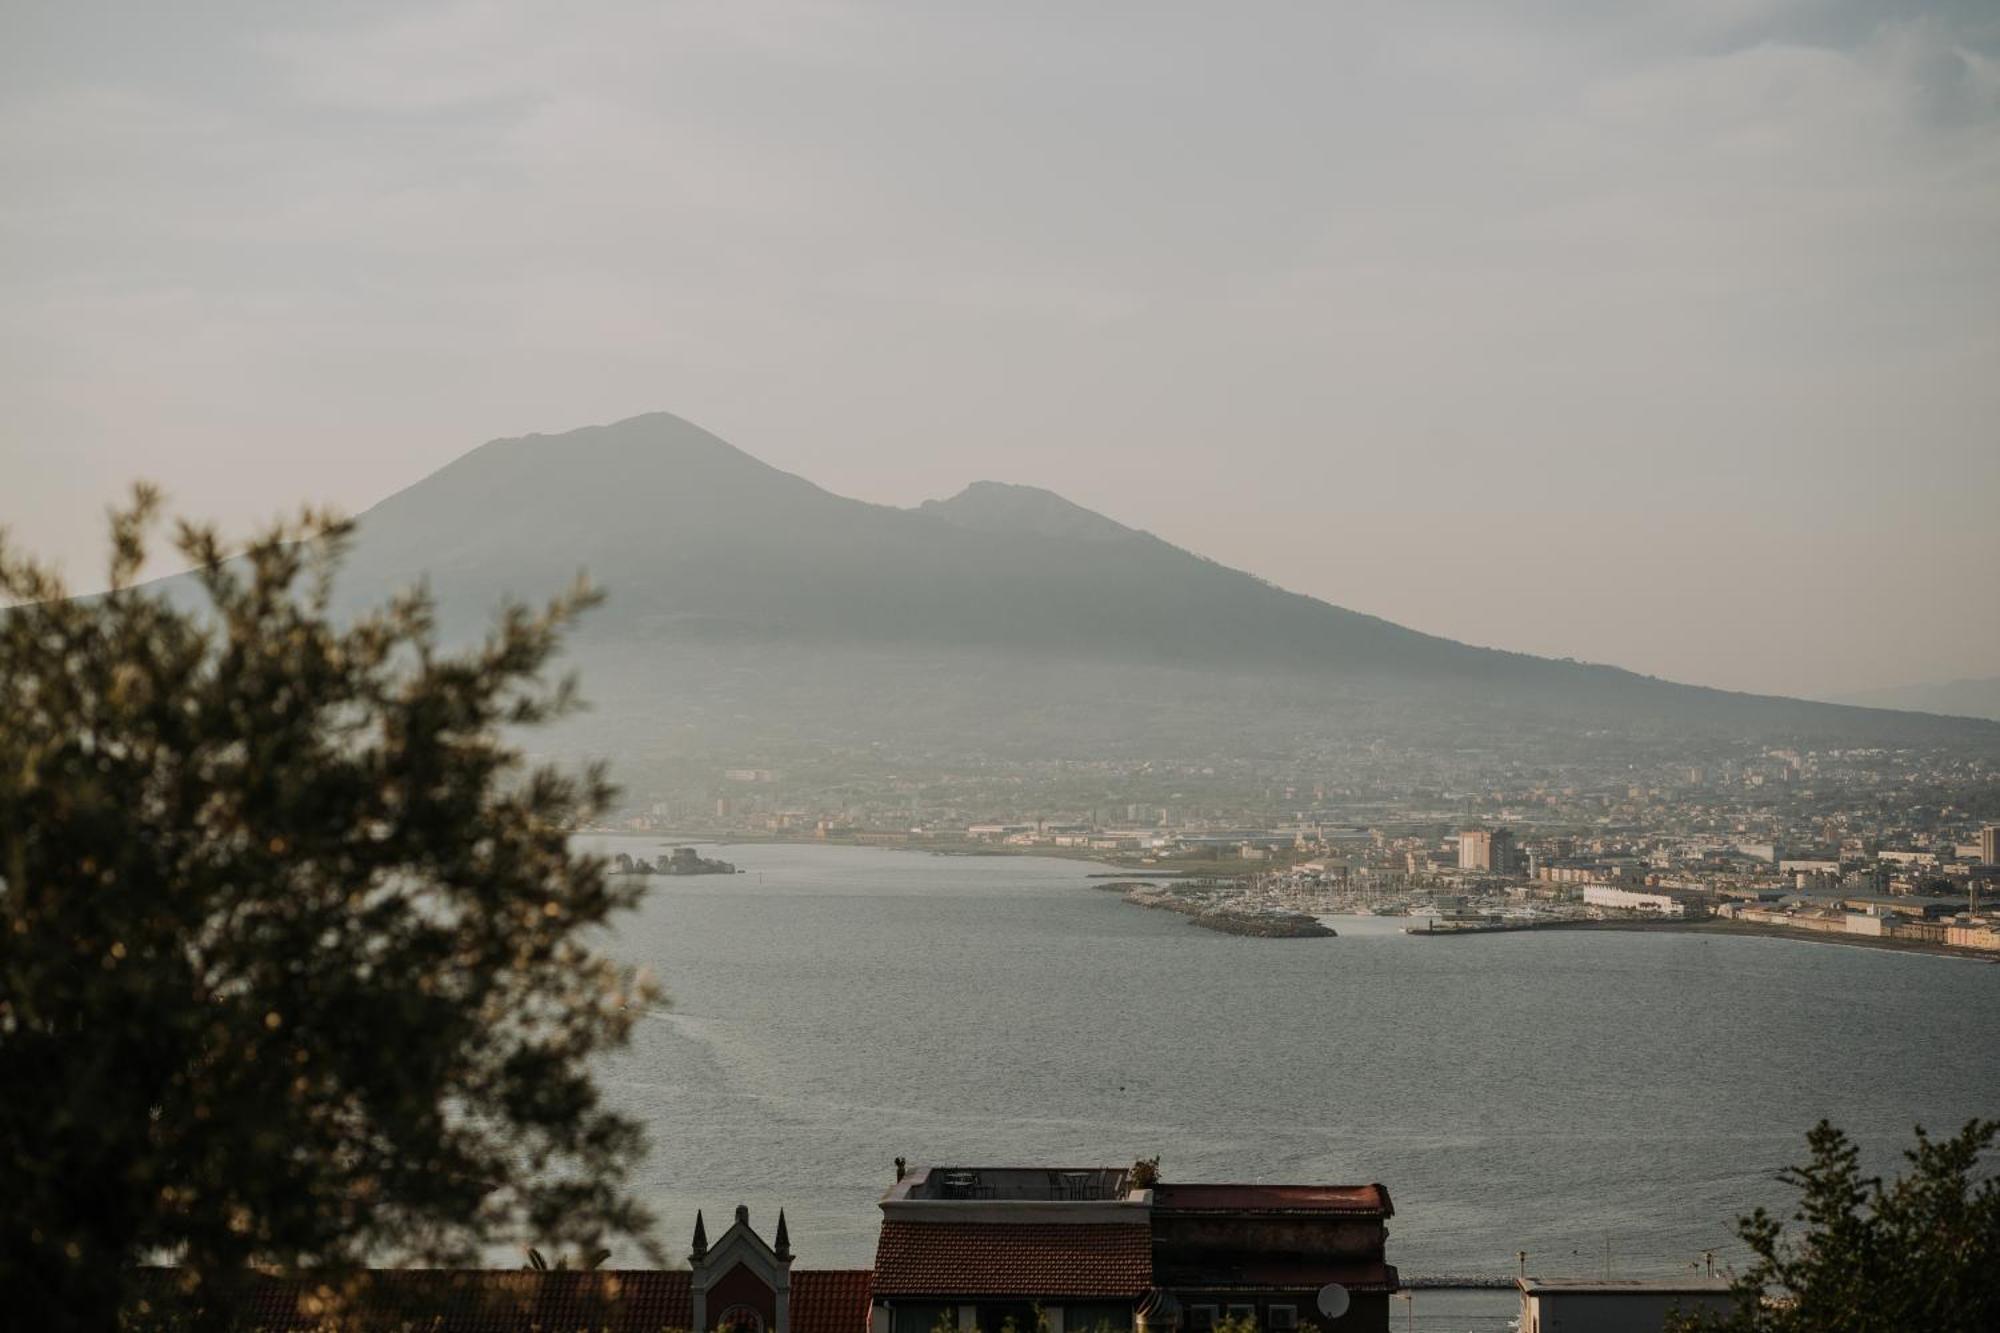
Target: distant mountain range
[(748, 607), (1977, 697)]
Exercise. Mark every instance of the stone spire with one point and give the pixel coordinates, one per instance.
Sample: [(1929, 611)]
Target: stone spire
[(700, 1239), (783, 1248)]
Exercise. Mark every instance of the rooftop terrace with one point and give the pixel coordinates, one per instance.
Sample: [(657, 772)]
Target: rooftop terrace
[(1013, 1184)]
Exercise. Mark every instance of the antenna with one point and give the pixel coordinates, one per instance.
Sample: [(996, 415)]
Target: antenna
[(1333, 1300)]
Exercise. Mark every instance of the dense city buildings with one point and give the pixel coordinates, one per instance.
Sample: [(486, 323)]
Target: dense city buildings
[(1726, 836)]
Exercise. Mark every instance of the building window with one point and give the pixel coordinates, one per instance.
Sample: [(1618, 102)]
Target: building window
[(1282, 1318), (741, 1319), (1243, 1314), (922, 1318), (1098, 1318), (1010, 1317), (1201, 1318)]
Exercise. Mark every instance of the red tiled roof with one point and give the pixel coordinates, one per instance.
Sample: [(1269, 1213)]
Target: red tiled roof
[(831, 1300), (1024, 1259), (1361, 1200), (503, 1301)]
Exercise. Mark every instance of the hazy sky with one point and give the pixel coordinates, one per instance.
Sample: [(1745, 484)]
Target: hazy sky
[(1666, 335)]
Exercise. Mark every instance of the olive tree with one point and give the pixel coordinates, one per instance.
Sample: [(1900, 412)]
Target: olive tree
[(297, 966), (1919, 1252)]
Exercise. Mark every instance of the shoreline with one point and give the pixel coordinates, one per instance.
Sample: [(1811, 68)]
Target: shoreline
[(1121, 864), (1123, 870), (1748, 929), (879, 842)]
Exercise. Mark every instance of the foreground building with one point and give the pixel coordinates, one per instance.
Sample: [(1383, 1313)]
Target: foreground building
[(1079, 1251), (961, 1250), (1613, 1305), (739, 1282)]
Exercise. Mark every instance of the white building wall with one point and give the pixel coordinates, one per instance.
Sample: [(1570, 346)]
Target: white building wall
[(1612, 1312), (1632, 900)]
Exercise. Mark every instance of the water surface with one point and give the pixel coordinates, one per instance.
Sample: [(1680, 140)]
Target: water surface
[(1551, 1092)]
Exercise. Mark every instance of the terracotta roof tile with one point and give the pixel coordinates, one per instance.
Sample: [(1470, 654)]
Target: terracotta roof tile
[(504, 1301), (1013, 1259), (831, 1300)]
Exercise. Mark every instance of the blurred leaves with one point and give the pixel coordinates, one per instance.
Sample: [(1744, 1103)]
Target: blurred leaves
[(294, 966), (1921, 1252)]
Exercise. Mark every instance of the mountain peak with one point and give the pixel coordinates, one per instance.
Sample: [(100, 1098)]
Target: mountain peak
[(628, 471), (654, 436), (748, 573), (999, 506)]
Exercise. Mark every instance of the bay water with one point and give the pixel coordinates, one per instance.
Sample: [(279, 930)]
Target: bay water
[(1604, 1101)]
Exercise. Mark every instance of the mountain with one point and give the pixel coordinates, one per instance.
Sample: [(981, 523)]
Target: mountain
[(1029, 511), (699, 541), (748, 605), (1975, 697)]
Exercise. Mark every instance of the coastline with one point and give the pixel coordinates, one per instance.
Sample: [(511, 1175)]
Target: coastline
[(1752, 929), (1122, 864), (1122, 869)]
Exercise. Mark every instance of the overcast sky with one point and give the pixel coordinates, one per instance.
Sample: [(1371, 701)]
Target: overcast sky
[(1665, 335)]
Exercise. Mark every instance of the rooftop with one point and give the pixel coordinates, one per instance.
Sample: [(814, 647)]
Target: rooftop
[(1660, 1286), (1357, 1200), (1275, 1272), (1013, 1184), (1013, 1259), (518, 1301)]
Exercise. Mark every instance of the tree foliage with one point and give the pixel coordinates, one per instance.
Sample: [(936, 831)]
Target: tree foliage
[(1921, 1252), (295, 960)]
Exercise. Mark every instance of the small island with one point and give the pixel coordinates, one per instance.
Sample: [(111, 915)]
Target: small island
[(680, 861), (1277, 925), (1227, 917)]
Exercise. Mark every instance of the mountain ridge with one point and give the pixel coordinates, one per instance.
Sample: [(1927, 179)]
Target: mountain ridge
[(686, 496), (1000, 506), (1967, 696), (742, 570)]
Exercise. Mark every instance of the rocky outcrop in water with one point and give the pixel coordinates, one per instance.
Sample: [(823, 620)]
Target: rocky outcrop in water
[(680, 861), (1203, 908)]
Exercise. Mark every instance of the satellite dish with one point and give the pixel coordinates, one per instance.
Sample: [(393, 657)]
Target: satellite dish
[(1333, 1300)]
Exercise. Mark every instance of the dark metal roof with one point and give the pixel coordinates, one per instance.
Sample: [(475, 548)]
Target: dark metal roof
[(1276, 1275), (1358, 1200)]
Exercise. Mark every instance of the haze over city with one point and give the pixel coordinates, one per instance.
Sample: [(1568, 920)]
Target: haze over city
[(1653, 335), (705, 666)]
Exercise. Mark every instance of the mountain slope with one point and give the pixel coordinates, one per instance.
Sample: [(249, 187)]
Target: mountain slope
[(695, 538), (1975, 697), (794, 604)]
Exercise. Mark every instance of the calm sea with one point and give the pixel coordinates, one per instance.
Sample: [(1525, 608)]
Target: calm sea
[(1568, 1094)]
